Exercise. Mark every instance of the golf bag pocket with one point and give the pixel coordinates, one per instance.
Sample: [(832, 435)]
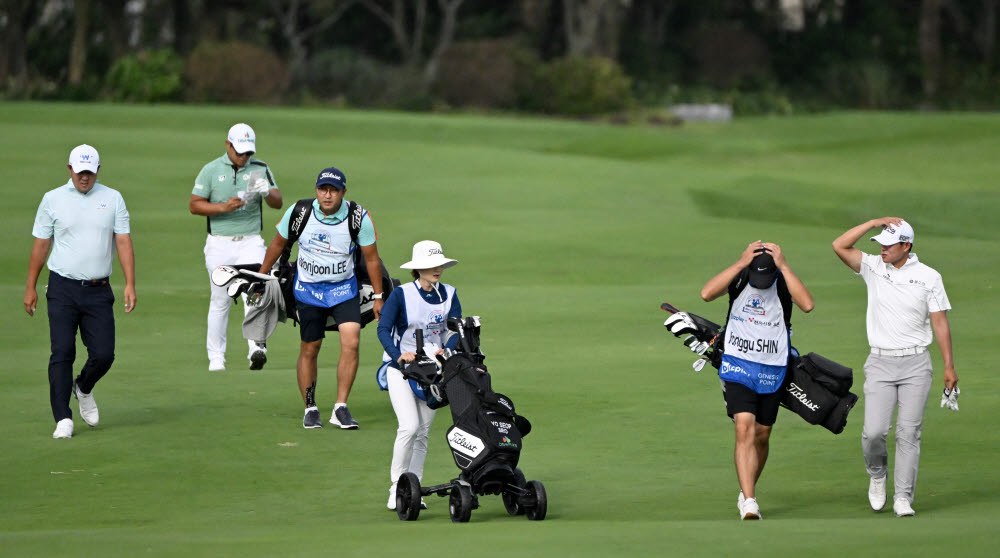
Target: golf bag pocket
[(835, 377), (805, 397), (837, 419)]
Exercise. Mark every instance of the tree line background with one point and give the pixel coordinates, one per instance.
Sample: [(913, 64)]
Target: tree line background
[(573, 57)]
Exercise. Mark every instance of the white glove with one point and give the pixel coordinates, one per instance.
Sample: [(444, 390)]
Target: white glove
[(259, 186), (680, 323), (697, 347), (949, 399)]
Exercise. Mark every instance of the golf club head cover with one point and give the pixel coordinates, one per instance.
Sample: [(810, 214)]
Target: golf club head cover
[(238, 287), (949, 398), (680, 324), (222, 275)]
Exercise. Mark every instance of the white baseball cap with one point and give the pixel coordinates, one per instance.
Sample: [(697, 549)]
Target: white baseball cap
[(428, 254), (242, 138), (84, 158), (894, 234)]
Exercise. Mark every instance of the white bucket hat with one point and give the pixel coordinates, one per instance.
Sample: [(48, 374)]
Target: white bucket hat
[(426, 255)]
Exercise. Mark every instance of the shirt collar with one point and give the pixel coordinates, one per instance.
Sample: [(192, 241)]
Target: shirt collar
[(69, 185), (225, 160), (337, 217)]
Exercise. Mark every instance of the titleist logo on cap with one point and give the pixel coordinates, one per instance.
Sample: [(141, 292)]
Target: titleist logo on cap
[(331, 175)]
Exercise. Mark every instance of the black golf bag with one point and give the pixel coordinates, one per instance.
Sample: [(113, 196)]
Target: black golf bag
[(485, 437)]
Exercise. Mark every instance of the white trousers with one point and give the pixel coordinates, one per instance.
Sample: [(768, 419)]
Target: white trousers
[(226, 250), (415, 419)]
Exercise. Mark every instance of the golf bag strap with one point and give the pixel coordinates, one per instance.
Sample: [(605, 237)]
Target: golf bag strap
[(296, 224)]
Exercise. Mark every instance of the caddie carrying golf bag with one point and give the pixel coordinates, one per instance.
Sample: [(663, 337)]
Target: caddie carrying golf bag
[(816, 388), (485, 438), (244, 279)]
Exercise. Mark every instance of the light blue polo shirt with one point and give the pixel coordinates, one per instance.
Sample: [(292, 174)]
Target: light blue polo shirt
[(82, 227)]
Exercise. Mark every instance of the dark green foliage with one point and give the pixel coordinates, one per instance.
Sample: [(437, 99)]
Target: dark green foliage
[(146, 77), (234, 72), (572, 86), (479, 73), (362, 81)]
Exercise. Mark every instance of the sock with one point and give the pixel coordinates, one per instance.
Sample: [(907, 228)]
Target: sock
[(339, 405), (311, 395)]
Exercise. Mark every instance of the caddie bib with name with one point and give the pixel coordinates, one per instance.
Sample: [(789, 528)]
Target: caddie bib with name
[(420, 314), (756, 346), (325, 266)]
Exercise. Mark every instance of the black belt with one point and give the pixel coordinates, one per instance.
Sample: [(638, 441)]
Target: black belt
[(85, 282)]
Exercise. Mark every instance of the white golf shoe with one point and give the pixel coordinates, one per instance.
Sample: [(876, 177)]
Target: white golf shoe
[(901, 507), (392, 497), (750, 509), (876, 493), (64, 429), (88, 407), (216, 365)]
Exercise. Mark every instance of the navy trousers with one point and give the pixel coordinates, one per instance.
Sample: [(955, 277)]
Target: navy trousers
[(89, 306)]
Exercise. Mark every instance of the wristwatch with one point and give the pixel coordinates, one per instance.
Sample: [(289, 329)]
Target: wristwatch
[(377, 296)]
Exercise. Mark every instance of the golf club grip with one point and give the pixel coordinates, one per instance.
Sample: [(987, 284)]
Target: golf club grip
[(669, 308), (420, 341)]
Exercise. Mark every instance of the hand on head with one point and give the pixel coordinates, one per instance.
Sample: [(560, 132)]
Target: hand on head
[(775, 251)]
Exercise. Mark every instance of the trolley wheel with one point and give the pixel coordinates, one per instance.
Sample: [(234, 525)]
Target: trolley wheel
[(460, 503), (408, 497), (510, 500), (536, 492)]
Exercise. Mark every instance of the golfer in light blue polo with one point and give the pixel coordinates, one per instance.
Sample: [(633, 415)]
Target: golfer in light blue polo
[(83, 223)]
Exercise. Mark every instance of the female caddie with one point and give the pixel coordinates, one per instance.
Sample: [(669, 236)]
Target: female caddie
[(424, 304)]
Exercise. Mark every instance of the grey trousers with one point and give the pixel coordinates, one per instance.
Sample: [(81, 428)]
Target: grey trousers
[(260, 323), (892, 382)]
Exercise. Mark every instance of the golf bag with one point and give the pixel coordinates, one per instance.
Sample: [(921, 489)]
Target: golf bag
[(485, 437), (816, 388)]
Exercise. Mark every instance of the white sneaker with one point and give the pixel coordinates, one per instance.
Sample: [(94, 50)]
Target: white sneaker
[(750, 509), (216, 365), (392, 498), (88, 407), (739, 502), (901, 507), (876, 493), (64, 429)]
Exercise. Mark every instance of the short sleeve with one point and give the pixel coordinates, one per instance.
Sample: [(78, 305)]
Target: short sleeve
[(937, 298), (121, 217), (367, 236), (869, 263), (203, 184), (282, 225), (44, 226), (270, 177)]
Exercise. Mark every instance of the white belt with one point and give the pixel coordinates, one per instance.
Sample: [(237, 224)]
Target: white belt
[(899, 352), (232, 238)]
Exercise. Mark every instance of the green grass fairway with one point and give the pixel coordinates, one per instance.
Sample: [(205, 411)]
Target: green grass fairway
[(569, 236)]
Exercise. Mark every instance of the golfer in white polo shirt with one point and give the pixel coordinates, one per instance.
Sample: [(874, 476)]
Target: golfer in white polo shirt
[(906, 301)]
